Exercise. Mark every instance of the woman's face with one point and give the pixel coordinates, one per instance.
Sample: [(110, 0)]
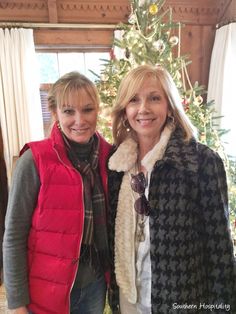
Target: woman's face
[(78, 116), (147, 111)]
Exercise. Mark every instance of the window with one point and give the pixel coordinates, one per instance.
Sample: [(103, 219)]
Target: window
[(52, 65)]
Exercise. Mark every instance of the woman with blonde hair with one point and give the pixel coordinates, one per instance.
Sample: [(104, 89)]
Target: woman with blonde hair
[(55, 247), (169, 221)]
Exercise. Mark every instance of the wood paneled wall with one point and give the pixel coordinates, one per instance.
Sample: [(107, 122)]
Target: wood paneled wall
[(199, 16)]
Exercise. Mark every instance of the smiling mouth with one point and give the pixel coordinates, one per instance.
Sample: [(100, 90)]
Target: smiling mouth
[(145, 121), (80, 130)]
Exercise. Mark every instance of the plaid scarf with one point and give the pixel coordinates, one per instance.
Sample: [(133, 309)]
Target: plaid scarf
[(95, 230)]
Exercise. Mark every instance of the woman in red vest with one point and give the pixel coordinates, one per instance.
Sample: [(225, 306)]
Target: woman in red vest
[(55, 243)]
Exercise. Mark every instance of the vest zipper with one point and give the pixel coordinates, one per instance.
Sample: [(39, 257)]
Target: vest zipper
[(77, 259)]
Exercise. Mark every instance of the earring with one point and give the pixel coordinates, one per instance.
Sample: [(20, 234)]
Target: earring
[(126, 125), (58, 125)]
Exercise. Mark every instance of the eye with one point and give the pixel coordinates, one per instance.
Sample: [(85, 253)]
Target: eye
[(88, 109), (68, 111), (155, 98), (134, 99)]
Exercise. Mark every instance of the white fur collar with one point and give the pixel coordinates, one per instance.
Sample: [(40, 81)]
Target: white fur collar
[(126, 154)]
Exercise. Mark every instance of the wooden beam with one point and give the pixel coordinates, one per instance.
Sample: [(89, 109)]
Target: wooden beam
[(194, 12), (52, 11), (76, 39)]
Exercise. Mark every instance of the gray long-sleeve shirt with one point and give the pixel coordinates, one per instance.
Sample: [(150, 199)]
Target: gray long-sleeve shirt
[(22, 200)]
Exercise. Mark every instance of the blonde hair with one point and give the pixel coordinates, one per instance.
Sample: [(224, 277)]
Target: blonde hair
[(70, 82), (132, 83)]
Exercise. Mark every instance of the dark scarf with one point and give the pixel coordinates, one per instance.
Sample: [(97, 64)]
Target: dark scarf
[(84, 158)]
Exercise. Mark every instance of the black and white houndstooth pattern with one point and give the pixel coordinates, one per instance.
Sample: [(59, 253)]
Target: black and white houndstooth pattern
[(193, 268)]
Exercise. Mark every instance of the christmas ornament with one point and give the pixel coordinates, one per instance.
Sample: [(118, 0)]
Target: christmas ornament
[(198, 100), (132, 19), (174, 40), (159, 45), (153, 9)]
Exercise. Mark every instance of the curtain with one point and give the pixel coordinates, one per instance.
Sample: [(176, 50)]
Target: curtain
[(20, 108), (222, 86)]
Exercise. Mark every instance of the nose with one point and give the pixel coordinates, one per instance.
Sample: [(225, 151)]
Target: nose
[(143, 105), (79, 118)]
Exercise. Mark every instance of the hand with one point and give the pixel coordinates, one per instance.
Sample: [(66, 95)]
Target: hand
[(19, 310)]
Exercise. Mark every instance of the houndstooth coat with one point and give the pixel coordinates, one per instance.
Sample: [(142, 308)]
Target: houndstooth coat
[(193, 267)]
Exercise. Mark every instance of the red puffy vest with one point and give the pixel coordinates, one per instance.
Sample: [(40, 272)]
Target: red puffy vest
[(57, 225)]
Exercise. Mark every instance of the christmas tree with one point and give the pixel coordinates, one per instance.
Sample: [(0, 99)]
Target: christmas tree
[(151, 36)]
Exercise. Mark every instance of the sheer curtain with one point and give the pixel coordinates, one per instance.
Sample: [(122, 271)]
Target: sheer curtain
[(222, 82), (20, 109)]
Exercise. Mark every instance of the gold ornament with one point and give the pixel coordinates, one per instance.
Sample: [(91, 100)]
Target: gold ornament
[(153, 9)]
